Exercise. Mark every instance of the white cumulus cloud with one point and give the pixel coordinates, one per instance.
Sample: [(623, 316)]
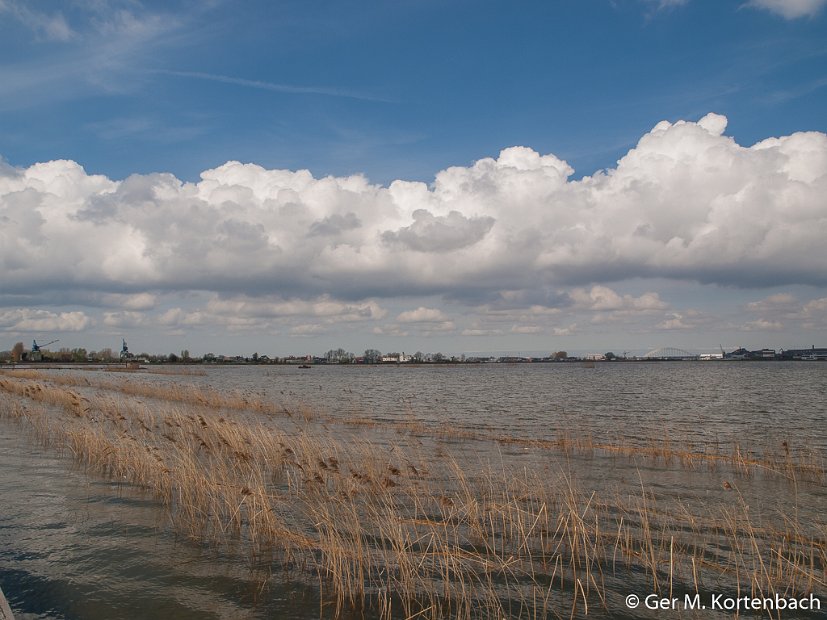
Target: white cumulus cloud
[(687, 203), (602, 298), (26, 319), (422, 315)]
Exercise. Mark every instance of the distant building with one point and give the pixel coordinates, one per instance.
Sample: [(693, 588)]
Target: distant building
[(813, 353), (738, 354), (396, 358)]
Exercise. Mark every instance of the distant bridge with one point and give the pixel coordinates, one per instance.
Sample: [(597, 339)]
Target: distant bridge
[(670, 353)]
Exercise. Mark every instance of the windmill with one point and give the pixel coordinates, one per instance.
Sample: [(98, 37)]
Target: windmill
[(36, 347), (36, 355)]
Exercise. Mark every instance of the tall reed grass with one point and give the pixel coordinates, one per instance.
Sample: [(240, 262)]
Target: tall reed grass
[(407, 527)]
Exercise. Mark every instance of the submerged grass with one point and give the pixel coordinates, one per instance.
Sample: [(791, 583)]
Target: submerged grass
[(409, 528)]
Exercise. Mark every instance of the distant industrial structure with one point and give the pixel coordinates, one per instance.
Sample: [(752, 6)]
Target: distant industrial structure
[(670, 353), (812, 354)]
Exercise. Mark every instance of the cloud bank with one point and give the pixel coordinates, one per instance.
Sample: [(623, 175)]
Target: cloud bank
[(687, 203)]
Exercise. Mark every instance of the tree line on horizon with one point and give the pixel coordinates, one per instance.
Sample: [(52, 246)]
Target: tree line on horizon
[(18, 353)]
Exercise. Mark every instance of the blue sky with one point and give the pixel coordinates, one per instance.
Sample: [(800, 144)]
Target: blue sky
[(406, 90), (394, 89)]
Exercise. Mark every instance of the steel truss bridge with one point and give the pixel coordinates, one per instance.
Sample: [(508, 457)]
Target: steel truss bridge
[(670, 353)]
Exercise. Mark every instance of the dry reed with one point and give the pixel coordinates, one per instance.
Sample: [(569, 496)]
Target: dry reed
[(405, 531)]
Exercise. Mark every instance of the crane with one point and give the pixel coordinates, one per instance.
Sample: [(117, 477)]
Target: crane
[(36, 347)]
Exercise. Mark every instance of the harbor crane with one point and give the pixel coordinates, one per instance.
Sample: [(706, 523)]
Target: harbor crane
[(36, 347)]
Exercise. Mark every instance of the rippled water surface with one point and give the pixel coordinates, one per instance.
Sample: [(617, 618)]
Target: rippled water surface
[(77, 547), (73, 546), (688, 400)]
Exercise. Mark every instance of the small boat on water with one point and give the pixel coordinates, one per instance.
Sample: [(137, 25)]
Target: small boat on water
[(305, 366)]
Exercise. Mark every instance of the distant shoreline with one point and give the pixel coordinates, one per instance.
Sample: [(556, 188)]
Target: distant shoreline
[(120, 366)]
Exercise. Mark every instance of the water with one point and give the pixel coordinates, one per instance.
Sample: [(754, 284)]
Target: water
[(700, 401), (73, 546)]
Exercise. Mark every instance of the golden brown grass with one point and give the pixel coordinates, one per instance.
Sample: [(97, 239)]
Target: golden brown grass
[(407, 530), (780, 458)]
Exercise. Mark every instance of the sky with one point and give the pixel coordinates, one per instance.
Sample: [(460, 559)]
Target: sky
[(289, 177)]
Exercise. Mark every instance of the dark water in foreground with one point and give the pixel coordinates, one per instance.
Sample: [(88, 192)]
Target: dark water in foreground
[(73, 546)]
